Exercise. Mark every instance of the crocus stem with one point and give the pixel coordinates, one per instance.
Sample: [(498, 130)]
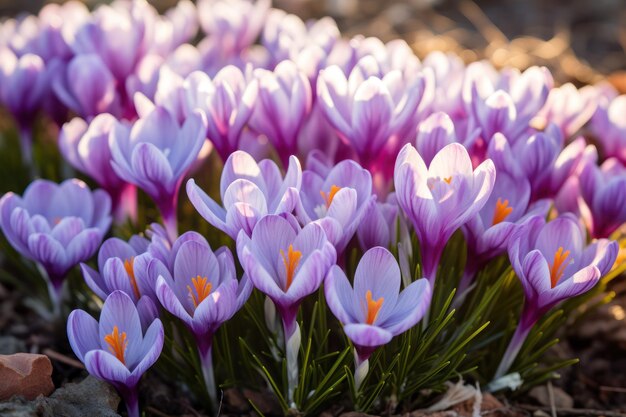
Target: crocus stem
[(292, 347), (125, 203), (26, 145), (205, 349), (55, 290), (465, 285), (132, 401), (514, 347), (168, 213), (361, 369)]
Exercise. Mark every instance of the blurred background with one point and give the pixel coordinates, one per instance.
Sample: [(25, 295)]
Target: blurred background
[(581, 41)]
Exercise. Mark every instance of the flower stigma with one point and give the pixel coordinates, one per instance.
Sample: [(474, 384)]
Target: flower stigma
[(291, 261), (130, 270), (557, 269), (502, 211), (373, 307), (117, 343), (203, 289)]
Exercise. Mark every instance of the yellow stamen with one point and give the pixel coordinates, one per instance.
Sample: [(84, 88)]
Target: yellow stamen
[(117, 343), (448, 180), (331, 194), (558, 266), (502, 211), (291, 262), (128, 266), (203, 289), (373, 307), (56, 220)]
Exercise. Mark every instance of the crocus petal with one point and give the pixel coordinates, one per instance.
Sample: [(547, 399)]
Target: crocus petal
[(170, 302), (82, 332), (151, 346), (412, 304), (367, 335), (108, 368), (340, 296)]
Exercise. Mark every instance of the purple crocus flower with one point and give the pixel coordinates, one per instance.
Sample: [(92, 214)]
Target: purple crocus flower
[(203, 292), (56, 225), (107, 25), (24, 83), (487, 233), (567, 107), (609, 126), (379, 224), (375, 112), (286, 263), (286, 36), (286, 90), (228, 101), (86, 147), (375, 310), (336, 198), (155, 154), (118, 271), (603, 190), (505, 105), (115, 348), (235, 24), (249, 191), (440, 198), (553, 264), (433, 134)]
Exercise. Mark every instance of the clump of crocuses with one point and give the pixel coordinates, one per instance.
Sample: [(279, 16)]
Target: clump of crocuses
[(342, 167)]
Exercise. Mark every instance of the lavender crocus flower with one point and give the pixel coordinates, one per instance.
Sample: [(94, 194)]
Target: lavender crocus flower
[(609, 126), (249, 191), (86, 86), (553, 264), (203, 292), (235, 25), (603, 190), (433, 134), (118, 271), (286, 263), (375, 310), (379, 223), (375, 112), (155, 154), (336, 198), (56, 225), (228, 101), (286, 90), (86, 147), (567, 107), (115, 348), (24, 83), (440, 198)]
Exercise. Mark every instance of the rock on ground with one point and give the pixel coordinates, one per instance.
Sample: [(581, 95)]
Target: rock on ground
[(91, 398)]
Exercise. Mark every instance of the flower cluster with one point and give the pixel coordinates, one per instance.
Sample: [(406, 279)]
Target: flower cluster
[(334, 155)]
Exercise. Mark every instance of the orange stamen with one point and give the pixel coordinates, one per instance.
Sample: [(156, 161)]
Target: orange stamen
[(291, 262), (558, 266), (203, 289), (331, 194), (117, 343), (448, 180), (128, 266), (373, 307), (502, 211)]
